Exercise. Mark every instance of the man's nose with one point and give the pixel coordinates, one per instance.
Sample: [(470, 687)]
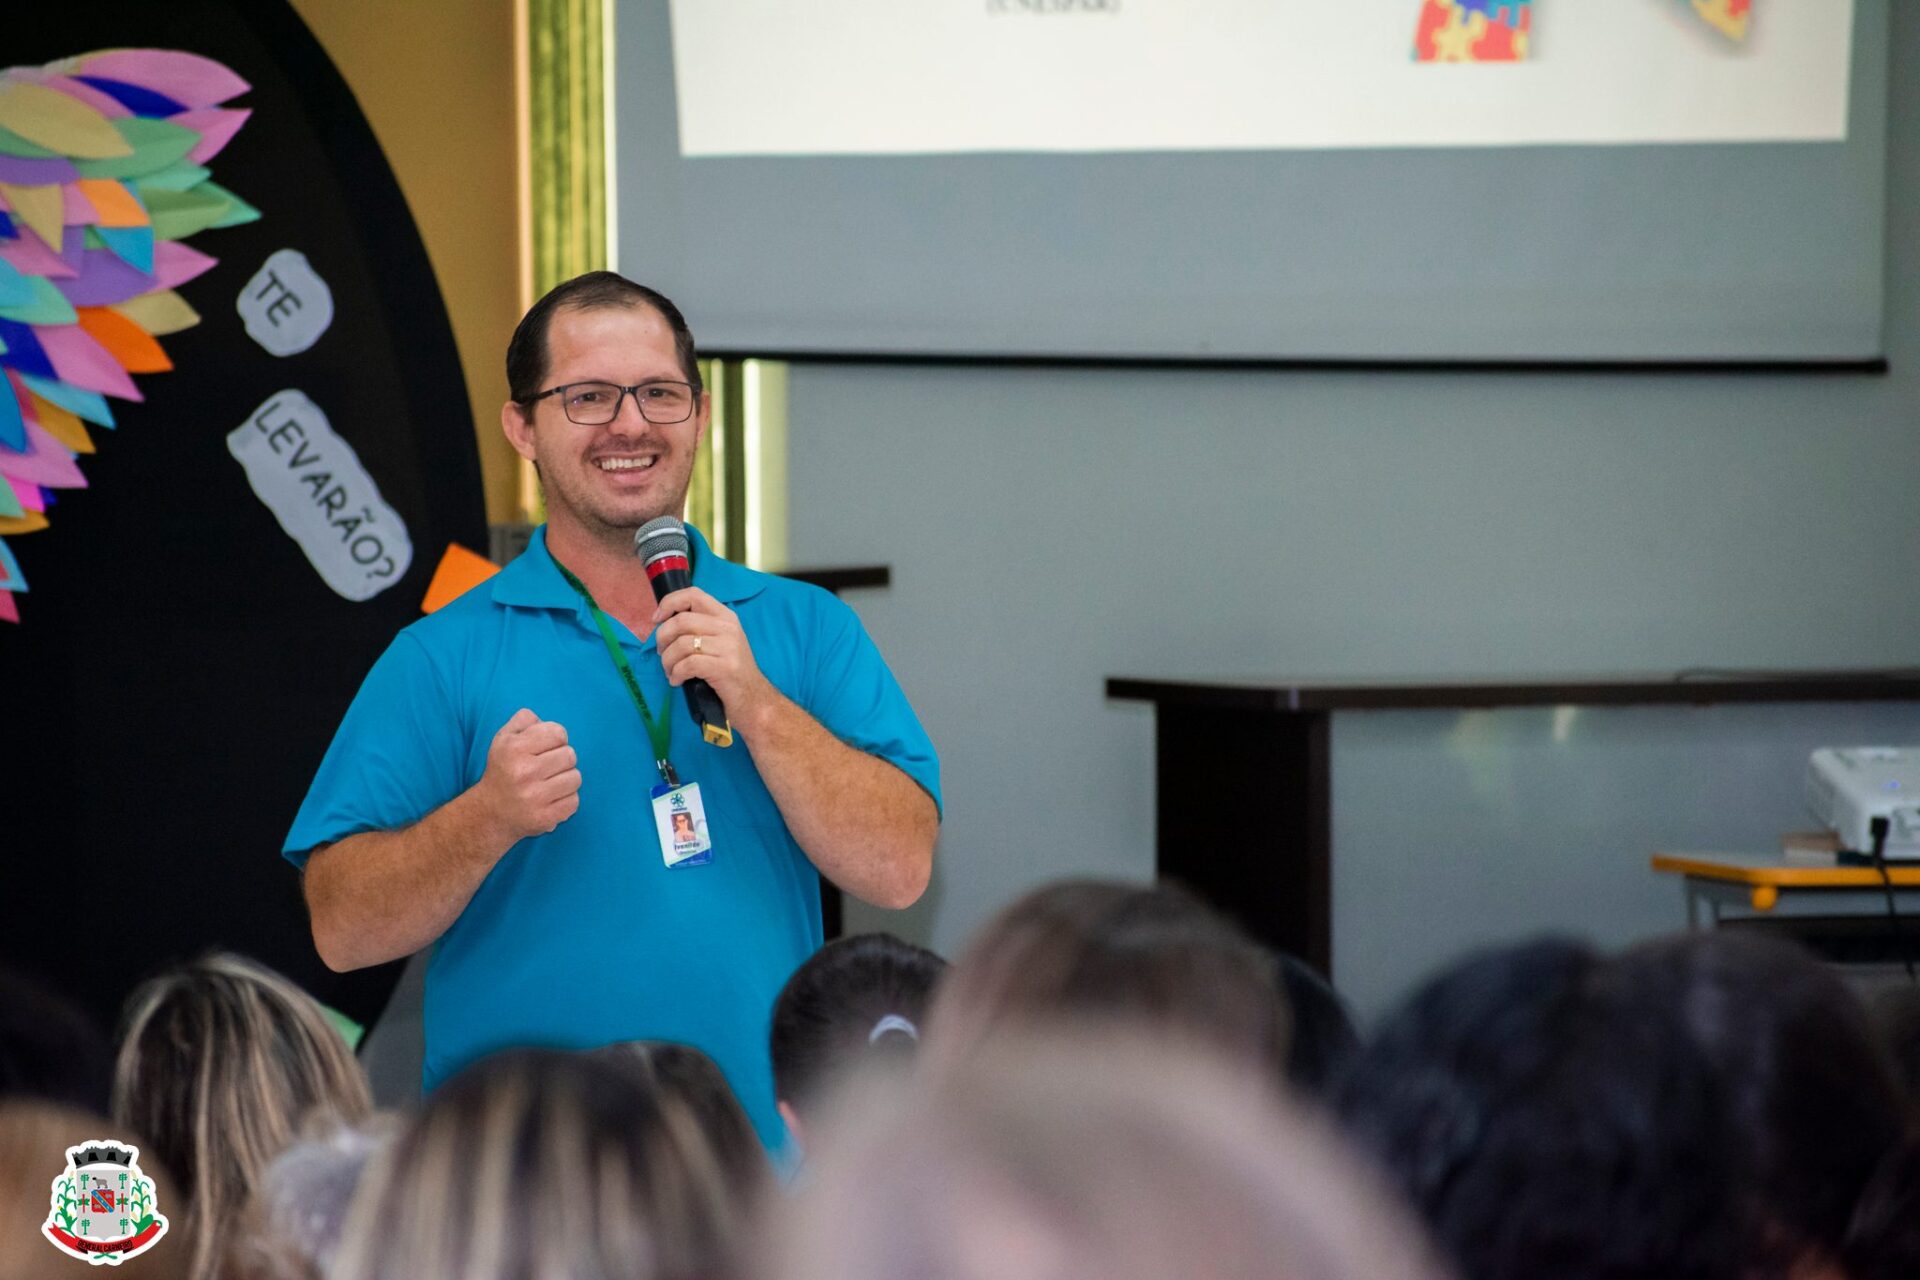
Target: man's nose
[(626, 414)]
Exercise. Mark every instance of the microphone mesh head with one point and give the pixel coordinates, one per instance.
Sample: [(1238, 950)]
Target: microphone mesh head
[(662, 536)]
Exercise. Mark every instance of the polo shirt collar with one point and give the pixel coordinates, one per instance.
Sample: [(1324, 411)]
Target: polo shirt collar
[(533, 580)]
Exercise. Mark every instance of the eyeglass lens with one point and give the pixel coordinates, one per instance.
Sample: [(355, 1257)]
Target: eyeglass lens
[(594, 404)]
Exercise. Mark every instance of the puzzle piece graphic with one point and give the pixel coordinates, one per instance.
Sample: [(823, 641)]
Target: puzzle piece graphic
[(1473, 31), (1501, 30)]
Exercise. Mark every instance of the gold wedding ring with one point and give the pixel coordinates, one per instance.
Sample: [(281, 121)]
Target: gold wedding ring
[(697, 646)]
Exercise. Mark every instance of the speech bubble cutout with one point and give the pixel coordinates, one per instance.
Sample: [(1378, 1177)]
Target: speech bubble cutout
[(317, 489), (286, 306)]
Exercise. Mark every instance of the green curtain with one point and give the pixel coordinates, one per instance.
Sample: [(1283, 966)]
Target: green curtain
[(571, 174), (566, 62)]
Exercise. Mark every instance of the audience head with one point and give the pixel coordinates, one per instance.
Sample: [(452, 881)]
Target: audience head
[(682, 1076), (1829, 1160), (1146, 955), (1323, 1042), (854, 999), (1897, 1012), (222, 1062), (1547, 1121), (293, 1223), (537, 1163), (1114, 1155), (34, 1137), (49, 1048)]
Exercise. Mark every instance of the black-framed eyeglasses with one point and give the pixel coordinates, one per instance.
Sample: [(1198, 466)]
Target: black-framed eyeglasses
[(595, 404)]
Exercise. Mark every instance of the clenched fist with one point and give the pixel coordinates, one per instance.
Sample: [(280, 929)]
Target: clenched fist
[(532, 779)]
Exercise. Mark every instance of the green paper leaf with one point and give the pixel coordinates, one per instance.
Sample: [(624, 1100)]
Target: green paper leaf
[(49, 306), (349, 1030), (238, 210), (175, 177), (178, 214), (9, 502), (13, 144), (156, 145)]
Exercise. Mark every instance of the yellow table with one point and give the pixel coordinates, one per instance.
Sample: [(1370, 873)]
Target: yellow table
[(1722, 886)]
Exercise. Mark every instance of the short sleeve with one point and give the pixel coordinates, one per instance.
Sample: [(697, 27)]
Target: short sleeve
[(398, 755), (854, 694)]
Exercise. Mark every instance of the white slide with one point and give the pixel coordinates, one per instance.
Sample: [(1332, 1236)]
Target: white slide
[(900, 77)]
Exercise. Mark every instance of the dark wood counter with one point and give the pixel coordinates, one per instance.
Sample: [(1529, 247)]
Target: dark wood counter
[(1257, 838)]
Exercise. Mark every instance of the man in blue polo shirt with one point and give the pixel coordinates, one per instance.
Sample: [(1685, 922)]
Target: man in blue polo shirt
[(501, 790)]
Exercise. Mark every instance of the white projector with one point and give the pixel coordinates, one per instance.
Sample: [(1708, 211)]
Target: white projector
[(1848, 787)]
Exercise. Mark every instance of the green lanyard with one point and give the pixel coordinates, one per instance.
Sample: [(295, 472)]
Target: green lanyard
[(660, 731)]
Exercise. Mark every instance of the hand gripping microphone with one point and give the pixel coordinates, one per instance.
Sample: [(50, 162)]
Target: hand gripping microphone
[(662, 547)]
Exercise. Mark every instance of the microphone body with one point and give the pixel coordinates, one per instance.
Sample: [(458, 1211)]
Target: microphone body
[(662, 547)]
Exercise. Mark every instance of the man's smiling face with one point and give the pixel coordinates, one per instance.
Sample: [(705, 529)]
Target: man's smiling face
[(609, 479)]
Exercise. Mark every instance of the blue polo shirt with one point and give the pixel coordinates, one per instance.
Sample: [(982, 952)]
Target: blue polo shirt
[(583, 936)]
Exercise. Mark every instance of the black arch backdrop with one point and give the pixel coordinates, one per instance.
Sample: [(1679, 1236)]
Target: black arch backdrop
[(180, 664)]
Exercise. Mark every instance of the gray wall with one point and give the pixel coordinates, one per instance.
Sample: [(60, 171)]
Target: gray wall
[(1048, 528)]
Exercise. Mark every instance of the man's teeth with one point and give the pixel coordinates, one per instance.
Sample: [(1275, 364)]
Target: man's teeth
[(626, 464)]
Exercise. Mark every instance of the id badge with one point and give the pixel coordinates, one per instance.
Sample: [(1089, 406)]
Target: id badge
[(680, 820)]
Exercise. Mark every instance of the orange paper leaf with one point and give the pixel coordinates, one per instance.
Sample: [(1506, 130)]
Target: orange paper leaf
[(31, 522), (460, 571), (124, 340), (113, 203)]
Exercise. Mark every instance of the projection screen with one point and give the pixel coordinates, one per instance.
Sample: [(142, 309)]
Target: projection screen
[(1258, 180)]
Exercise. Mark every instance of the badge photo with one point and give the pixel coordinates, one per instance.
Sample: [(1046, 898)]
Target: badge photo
[(680, 820)]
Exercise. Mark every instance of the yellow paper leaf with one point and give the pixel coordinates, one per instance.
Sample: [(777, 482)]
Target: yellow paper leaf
[(59, 123), (60, 424), (161, 312), (39, 207)]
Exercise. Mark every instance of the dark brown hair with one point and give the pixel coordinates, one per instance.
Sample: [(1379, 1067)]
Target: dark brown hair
[(527, 351), (833, 1012), (1150, 955)]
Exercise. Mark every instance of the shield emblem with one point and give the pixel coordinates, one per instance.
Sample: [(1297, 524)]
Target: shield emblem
[(103, 1208)]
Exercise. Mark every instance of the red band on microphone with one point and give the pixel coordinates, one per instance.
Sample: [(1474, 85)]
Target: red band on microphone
[(660, 564)]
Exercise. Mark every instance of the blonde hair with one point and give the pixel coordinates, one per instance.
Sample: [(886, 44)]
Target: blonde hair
[(1086, 1155), (34, 1137), (1149, 956), (685, 1076), (542, 1165), (221, 1064), (291, 1226)]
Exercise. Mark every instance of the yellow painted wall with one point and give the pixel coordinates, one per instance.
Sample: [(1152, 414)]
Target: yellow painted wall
[(436, 80)]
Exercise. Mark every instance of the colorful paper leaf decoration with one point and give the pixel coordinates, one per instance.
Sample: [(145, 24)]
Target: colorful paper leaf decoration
[(160, 313), (138, 99), (62, 124), (102, 179), (152, 145)]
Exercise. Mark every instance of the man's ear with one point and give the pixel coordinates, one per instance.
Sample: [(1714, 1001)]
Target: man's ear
[(517, 424)]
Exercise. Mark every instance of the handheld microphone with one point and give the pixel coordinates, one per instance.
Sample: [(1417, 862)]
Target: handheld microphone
[(662, 547)]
